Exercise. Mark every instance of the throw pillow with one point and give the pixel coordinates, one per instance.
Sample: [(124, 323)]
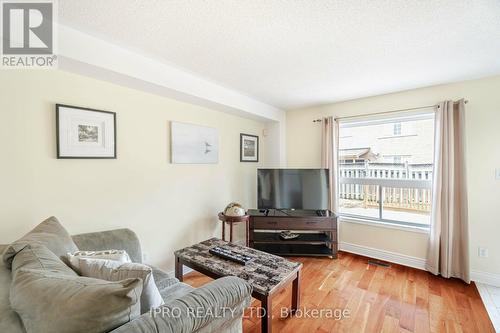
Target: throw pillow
[(35, 256), (115, 271), (48, 302), (49, 233), (116, 255)]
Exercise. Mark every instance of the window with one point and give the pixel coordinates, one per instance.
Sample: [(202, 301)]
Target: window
[(396, 129), (393, 184)]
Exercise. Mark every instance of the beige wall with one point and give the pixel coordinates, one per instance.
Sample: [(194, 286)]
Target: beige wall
[(171, 206), (168, 205), (483, 156)]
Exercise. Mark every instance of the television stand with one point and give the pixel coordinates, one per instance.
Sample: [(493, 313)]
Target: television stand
[(317, 232)]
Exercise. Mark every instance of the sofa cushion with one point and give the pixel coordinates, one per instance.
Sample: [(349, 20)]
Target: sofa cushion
[(49, 302), (9, 320), (163, 279), (170, 288), (36, 256), (175, 291), (49, 233), (111, 270)]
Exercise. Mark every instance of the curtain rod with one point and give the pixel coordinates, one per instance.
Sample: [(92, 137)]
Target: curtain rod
[(384, 112)]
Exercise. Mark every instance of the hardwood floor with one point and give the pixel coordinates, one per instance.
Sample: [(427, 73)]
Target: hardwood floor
[(379, 299)]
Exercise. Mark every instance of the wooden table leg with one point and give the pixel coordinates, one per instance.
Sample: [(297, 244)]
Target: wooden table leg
[(230, 232), (178, 269), (247, 225), (296, 293), (266, 315), (223, 231)]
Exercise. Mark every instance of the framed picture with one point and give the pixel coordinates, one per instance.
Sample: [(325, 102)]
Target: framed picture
[(249, 148), (193, 144), (85, 133)]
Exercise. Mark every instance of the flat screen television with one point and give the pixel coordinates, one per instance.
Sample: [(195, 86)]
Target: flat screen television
[(301, 189)]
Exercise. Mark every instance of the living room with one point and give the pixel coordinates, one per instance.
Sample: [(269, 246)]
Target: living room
[(344, 149)]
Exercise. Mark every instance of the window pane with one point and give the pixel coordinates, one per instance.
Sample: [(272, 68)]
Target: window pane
[(412, 205), (360, 200), (374, 152), (397, 129)]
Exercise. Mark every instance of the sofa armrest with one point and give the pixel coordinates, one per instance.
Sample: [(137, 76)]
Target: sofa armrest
[(206, 309), (119, 239)]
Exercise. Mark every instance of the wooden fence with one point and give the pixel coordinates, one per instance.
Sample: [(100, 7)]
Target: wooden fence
[(396, 198)]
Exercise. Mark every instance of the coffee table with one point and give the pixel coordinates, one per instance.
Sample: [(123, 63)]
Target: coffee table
[(267, 273)]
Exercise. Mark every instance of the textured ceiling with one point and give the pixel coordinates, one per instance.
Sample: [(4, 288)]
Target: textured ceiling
[(297, 53)]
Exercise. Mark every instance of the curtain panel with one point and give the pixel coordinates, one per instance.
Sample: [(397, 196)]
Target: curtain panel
[(329, 158), (448, 249)]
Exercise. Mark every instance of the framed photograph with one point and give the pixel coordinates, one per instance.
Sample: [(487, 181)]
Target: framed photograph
[(85, 133), (249, 148), (193, 144)]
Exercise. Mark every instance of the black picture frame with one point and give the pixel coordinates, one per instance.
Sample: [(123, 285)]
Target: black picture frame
[(242, 135), (58, 143)]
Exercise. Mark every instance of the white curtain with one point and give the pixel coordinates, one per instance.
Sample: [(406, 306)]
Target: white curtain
[(448, 250), (329, 157)]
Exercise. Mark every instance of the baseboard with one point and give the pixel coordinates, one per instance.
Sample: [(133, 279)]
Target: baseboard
[(393, 257), (419, 263), (486, 278), (489, 304), (185, 270)]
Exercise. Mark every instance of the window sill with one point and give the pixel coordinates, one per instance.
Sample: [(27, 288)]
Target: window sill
[(350, 219)]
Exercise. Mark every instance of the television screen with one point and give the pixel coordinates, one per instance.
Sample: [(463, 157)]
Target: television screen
[(305, 189)]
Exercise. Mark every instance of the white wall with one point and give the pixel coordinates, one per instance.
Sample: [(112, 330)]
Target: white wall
[(168, 205), (276, 140), (483, 156)]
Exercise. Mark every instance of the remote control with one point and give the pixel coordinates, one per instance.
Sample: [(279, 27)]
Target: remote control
[(229, 254)]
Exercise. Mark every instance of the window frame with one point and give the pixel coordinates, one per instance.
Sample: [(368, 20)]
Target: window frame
[(411, 183)]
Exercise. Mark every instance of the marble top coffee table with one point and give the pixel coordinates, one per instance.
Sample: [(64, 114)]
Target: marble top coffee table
[(267, 273)]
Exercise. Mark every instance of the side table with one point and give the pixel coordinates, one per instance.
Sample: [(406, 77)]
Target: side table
[(235, 219)]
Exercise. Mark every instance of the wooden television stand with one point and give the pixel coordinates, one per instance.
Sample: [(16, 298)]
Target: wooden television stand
[(317, 233)]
